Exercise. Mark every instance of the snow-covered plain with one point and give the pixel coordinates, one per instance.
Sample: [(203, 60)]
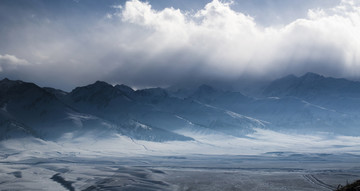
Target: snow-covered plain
[(260, 142), (264, 160)]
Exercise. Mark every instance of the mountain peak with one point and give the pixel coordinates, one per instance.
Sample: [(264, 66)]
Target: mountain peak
[(99, 93), (5, 79), (100, 83), (10, 82), (97, 86), (124, 88), (311, 76), (290, 76)]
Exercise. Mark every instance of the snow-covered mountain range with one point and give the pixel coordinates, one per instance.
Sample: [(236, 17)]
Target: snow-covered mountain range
[(306, 104)]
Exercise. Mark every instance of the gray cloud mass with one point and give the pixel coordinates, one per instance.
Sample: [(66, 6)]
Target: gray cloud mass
[(146, 44)]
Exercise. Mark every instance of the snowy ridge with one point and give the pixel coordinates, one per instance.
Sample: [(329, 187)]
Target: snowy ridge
[(236, 115)]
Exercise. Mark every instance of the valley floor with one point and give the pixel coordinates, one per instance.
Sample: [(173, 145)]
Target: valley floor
[(265, 160), (270, 171)]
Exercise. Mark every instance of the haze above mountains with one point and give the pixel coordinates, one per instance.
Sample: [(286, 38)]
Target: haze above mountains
[(307, 104)]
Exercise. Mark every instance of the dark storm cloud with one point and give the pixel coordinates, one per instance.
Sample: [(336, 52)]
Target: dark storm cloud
[(70, 43)]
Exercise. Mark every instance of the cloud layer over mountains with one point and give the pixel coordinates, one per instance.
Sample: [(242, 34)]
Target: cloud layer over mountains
[(139, 45)]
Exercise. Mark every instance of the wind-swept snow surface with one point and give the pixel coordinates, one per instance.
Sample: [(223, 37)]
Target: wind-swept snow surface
[(265, 160), (261, 141)]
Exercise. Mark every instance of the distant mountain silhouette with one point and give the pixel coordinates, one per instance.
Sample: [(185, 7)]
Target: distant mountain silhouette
[(309, 103), (335, 93), (312, 85)]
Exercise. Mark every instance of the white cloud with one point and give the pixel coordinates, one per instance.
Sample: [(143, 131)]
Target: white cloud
[(141, 46), (230, 43), (10, 62)]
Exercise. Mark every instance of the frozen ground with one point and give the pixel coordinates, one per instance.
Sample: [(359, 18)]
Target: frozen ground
[(272, 171), (265, 160)]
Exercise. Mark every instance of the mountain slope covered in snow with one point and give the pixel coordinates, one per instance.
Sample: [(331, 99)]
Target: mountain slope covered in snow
[(309, 103)]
